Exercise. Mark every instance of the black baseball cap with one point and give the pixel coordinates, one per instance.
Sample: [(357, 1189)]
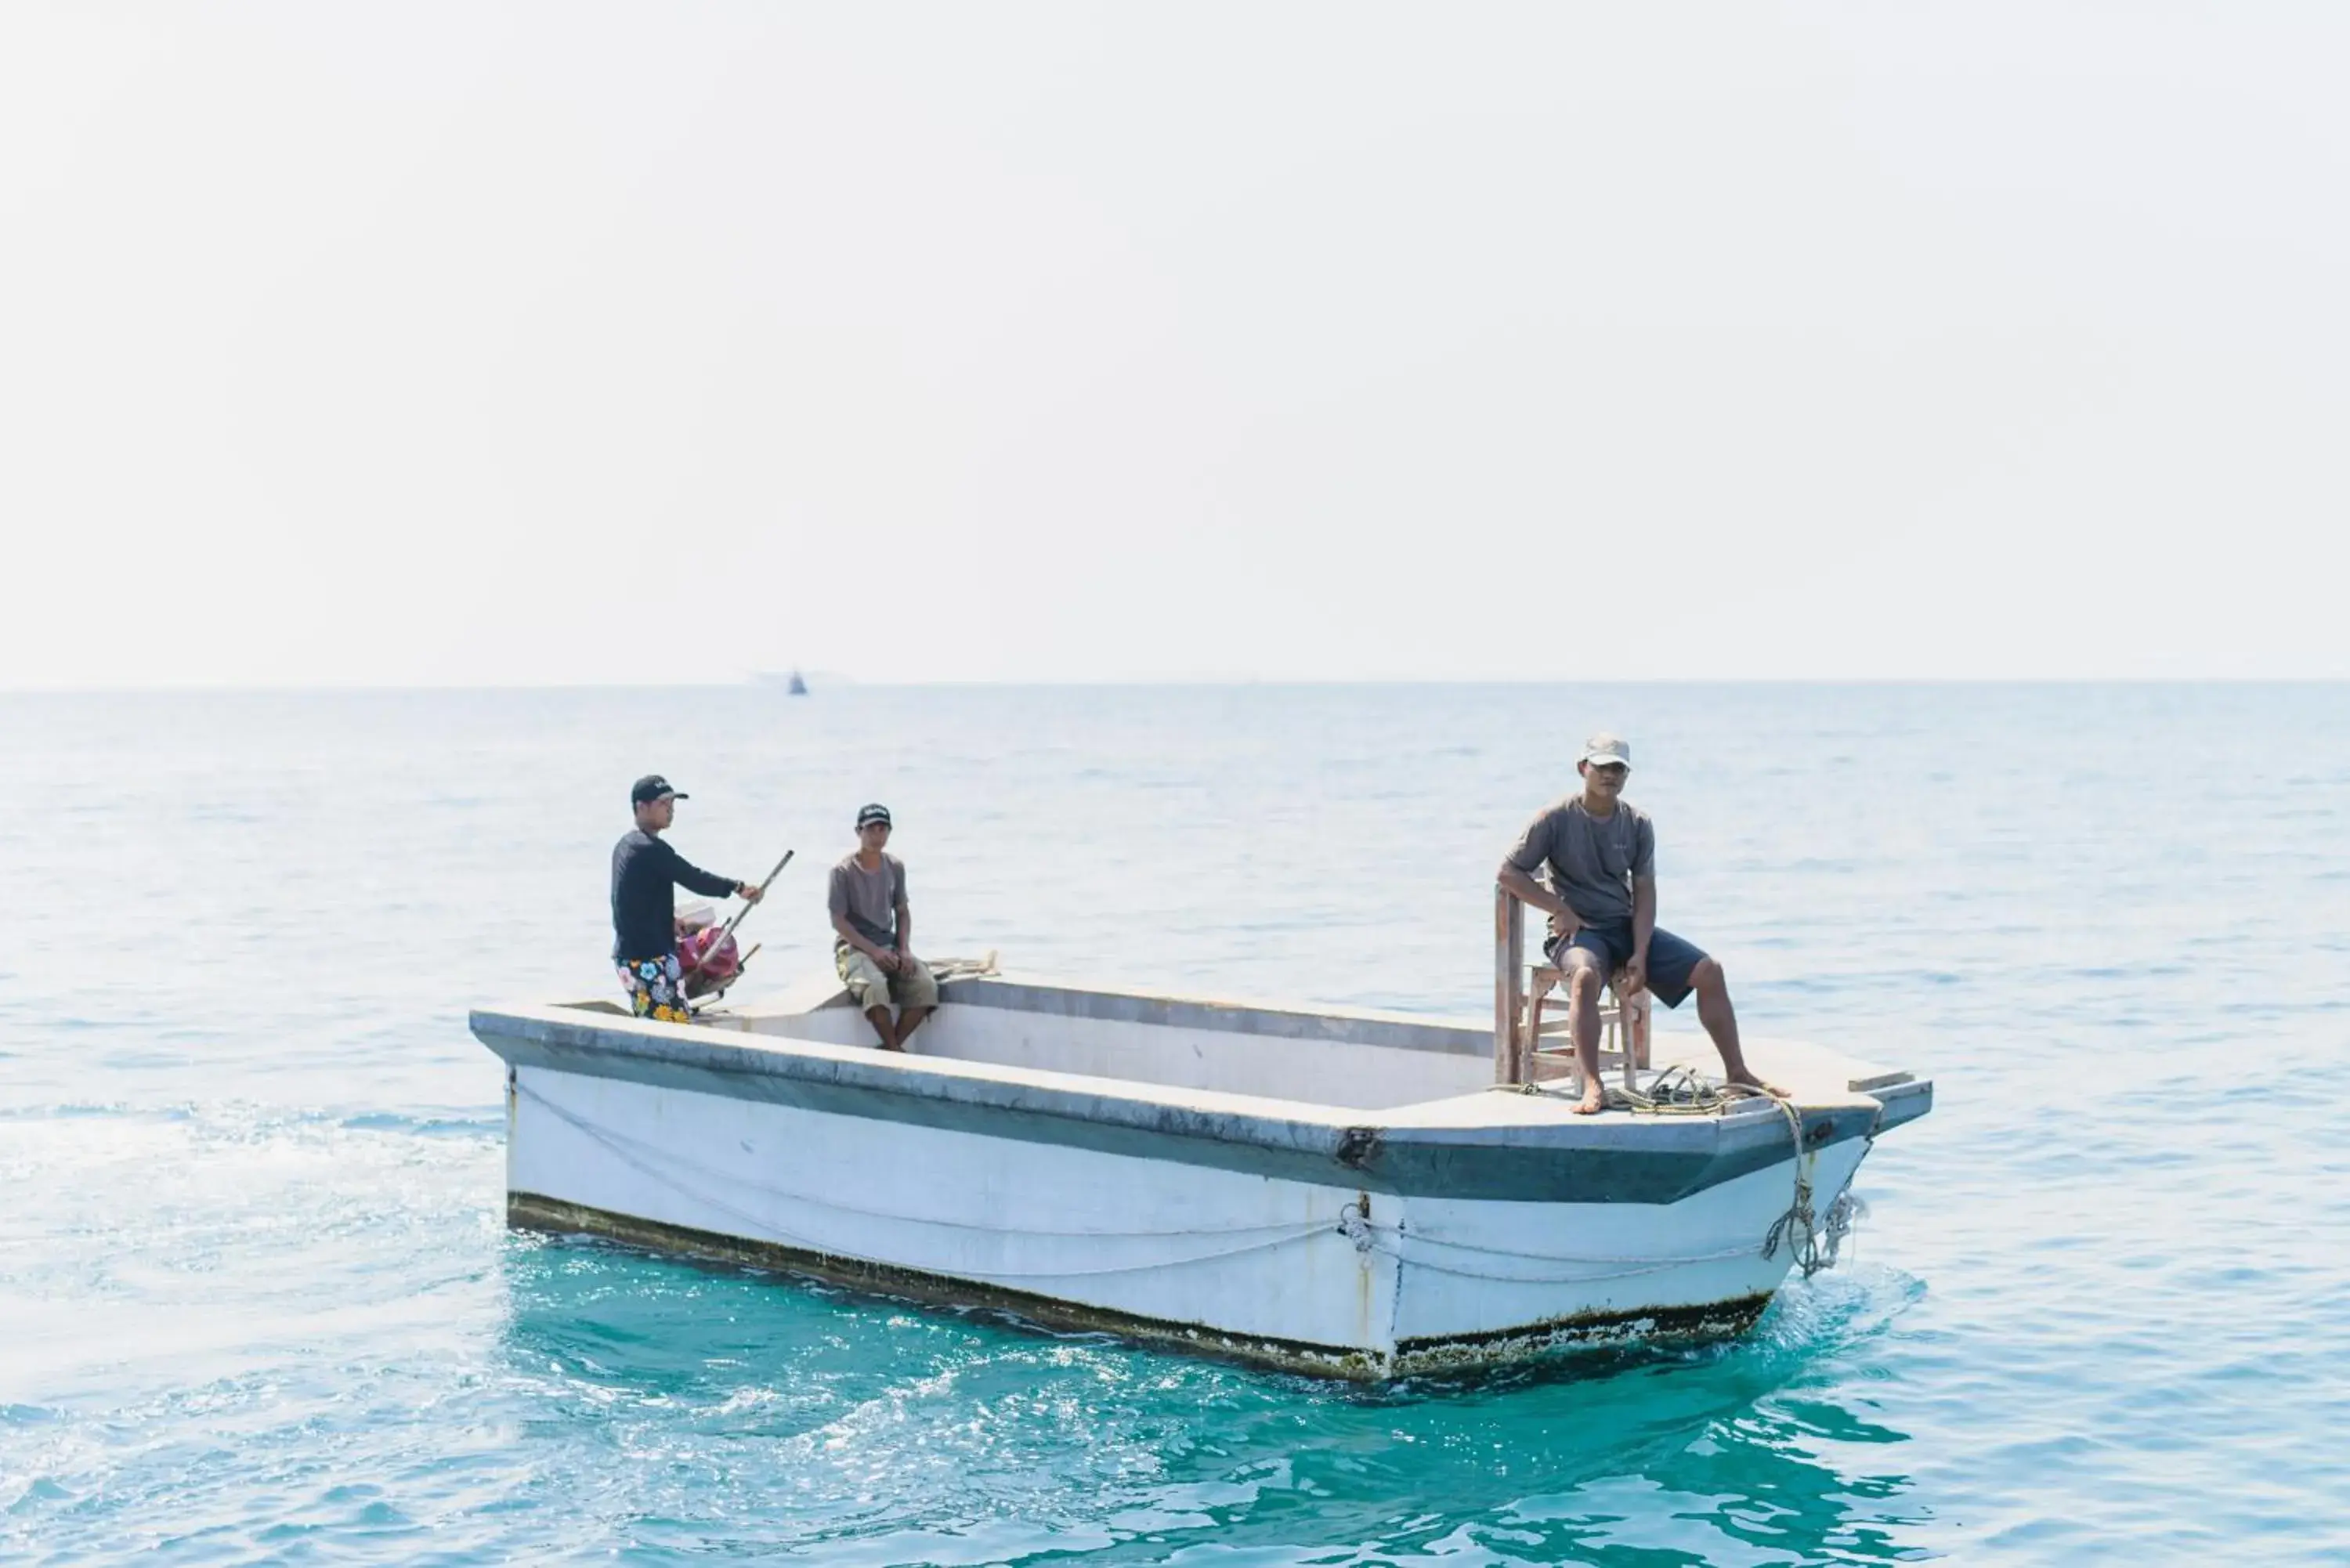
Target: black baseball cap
[(868, 814), (650, 788)]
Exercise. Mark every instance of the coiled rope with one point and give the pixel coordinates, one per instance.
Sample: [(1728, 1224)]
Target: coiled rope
[(1681, 1090)]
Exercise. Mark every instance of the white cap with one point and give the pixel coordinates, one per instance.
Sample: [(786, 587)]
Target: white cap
[(1604, 748)]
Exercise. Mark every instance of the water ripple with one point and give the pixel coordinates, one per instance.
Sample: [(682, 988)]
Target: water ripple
[(261, 1306)]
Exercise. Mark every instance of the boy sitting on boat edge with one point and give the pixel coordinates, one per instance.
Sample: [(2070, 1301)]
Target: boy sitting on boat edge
[(873, 926)]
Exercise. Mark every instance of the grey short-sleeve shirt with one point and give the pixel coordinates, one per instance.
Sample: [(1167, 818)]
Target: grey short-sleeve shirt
[(870, 898), (1590, 860)]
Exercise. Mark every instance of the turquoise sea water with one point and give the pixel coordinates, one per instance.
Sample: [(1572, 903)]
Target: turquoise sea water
[(257, 1302)]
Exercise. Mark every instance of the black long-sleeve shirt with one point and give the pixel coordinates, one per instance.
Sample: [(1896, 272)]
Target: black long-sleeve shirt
[(644, 913)]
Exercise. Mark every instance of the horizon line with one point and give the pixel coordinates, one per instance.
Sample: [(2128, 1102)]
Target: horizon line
[(839, 682)]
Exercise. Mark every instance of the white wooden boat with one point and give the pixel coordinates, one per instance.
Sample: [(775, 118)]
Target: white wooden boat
[(1334, 1191)]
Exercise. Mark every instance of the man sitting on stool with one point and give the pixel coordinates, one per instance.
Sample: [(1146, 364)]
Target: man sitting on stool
[(1598, 854), (875, 952)]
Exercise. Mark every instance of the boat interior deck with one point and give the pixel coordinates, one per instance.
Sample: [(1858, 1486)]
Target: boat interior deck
[(1352, 1057)]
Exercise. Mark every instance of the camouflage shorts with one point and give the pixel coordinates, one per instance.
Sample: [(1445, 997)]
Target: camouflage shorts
[(874, 986)]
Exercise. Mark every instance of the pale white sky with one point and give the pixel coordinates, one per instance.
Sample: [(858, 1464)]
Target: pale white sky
[(548, 343)]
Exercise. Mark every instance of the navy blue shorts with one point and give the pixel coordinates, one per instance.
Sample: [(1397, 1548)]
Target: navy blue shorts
[(1670, 958)]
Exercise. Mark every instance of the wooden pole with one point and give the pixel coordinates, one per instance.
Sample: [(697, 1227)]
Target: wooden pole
[(1509, 983), (736, 917)]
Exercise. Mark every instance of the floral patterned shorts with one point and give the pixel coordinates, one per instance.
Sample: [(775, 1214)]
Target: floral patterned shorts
[(656, 988)]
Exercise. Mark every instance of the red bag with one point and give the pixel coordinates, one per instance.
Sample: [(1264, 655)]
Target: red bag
[(715, 968)]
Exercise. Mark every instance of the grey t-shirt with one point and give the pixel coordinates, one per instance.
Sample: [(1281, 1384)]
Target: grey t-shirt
[(870, 898), (1591, 860)]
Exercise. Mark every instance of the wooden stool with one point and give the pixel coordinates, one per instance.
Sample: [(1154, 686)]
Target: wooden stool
[(1623, 1031)]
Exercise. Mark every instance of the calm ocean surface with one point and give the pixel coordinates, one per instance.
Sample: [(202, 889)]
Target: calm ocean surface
[(257, 1301)]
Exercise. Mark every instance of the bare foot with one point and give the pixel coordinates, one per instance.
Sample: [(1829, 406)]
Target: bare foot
[(1595, 1099), (1745, 1079)]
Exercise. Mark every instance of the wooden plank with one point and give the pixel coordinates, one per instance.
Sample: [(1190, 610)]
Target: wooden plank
[(1509, 1001)]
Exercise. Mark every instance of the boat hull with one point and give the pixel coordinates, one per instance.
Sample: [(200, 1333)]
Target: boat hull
[(1373, 1253), (529, 1211)]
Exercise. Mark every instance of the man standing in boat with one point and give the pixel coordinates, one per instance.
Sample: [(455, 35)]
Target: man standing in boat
[(874, 926), (1599, 855), (644, 912)]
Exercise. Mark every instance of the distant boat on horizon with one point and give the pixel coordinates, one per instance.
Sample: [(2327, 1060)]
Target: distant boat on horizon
[(791, 683)]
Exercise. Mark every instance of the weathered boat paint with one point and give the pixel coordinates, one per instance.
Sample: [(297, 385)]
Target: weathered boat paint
[(1350, 1240), (547, 1216)]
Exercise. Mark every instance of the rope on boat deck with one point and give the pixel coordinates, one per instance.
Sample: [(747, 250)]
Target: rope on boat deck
[(1681, 1090), (1813, 1241)]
